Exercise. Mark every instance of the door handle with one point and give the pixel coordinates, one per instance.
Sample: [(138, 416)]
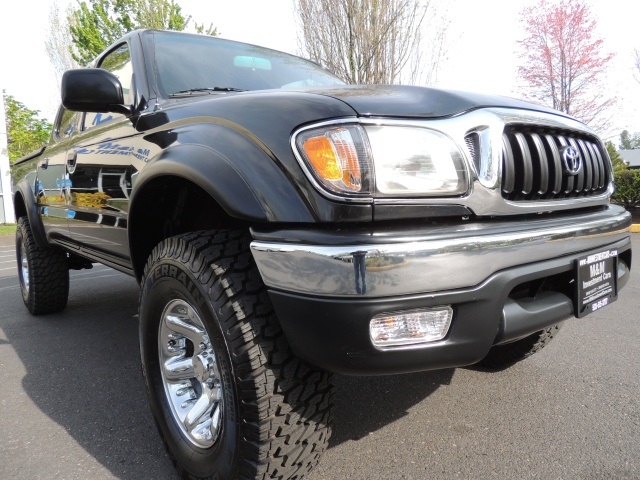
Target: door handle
[(71, 161), (44, 164)]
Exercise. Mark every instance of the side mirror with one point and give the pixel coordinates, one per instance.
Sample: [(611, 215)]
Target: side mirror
[(92, 90)]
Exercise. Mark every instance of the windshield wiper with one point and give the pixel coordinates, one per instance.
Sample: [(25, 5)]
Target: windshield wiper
[(208, 89)]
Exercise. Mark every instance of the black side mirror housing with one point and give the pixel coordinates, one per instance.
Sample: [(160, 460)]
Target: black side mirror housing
[(92, 90)]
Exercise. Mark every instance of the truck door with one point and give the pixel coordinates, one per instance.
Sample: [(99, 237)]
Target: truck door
[(100, 167), (52, 185)]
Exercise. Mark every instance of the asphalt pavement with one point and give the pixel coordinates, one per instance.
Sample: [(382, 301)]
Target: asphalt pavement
[(72, 401)]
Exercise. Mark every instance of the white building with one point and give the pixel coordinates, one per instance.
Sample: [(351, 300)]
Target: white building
[(631, 157)]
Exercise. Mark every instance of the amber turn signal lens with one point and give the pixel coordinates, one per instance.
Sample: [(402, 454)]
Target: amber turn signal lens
[(337, 158), (334, 158), (322, 156)]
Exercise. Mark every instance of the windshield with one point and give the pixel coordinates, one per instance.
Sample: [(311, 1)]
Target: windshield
[(186, 62)]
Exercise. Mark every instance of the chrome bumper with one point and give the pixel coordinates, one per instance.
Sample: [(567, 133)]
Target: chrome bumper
[(434, 259)]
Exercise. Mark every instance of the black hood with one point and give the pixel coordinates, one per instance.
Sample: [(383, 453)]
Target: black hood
[(422, 102)]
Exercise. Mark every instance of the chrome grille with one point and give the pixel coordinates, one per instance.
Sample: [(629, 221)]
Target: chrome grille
[(532, 167), (473, 146)]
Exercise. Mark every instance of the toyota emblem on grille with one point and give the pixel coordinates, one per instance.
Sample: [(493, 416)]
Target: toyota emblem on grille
[(571, 160)]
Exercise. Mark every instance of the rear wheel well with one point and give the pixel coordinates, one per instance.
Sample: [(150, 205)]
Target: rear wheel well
[(169, 206)]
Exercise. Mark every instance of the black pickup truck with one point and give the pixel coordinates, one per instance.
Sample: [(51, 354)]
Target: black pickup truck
[(284, 226)]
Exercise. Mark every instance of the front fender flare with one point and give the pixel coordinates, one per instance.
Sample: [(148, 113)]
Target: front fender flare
[(249, 187)]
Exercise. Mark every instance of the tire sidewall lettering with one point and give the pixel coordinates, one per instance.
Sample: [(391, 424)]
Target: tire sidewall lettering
[(176, 272)]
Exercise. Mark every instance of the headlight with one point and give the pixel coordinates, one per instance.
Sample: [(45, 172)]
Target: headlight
[(383, 161), (413, 161)]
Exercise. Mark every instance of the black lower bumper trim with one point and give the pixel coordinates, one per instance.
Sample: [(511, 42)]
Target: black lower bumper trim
[(334, 333), (521, 317)]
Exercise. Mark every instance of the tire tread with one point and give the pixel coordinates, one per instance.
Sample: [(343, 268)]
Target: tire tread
[(286, 405), (48, 271)]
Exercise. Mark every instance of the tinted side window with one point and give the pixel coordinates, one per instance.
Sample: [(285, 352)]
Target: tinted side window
[(66, 124), (119, 63)]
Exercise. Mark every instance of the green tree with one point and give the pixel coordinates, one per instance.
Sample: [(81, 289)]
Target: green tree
[(627, 191), (96, 24), (618, 163), (25, 131), (625, 141), (629, 141), (627, 181)]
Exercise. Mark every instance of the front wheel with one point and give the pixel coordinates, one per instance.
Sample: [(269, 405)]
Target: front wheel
[(229, 398)]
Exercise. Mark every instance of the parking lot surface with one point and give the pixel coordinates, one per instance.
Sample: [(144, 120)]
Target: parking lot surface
[(72, 401)]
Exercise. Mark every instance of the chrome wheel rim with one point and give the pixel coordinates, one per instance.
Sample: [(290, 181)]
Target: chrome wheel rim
[(190, 374), (24, 268)]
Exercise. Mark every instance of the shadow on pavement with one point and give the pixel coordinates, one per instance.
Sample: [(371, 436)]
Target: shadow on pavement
[(366, 404), (83, 372)]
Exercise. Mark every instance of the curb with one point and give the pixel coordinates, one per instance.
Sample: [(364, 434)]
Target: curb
[(635, 228)]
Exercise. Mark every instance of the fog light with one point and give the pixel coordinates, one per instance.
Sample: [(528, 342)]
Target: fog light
[(410, 327)]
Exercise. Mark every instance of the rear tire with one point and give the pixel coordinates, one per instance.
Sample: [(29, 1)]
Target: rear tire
[(43, 273), (208, 334), (504, 356)]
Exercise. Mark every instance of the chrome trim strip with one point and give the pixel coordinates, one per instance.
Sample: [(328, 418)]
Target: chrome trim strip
[(484, 197), (459, 257)]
